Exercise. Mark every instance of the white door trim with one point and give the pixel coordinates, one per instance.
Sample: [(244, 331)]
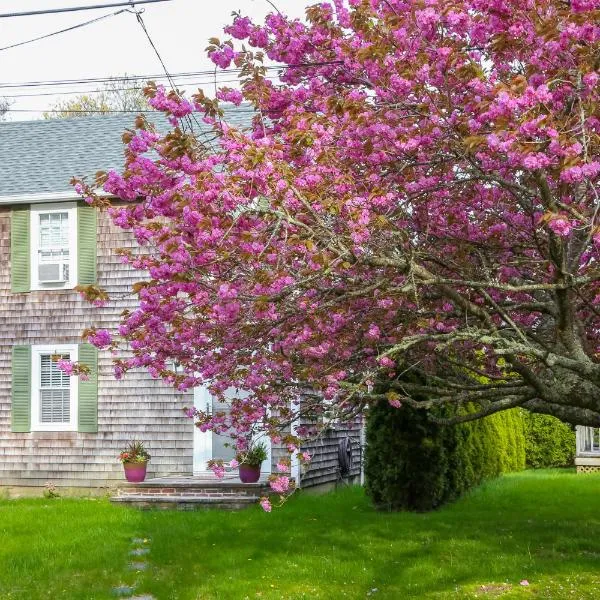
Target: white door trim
[(203, 441)]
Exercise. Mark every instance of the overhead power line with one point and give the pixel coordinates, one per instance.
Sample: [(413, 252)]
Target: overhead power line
[(68, 110), (209, 73), (49, 11), (61, 82), (53, 33), (102, 112), (85, 91)]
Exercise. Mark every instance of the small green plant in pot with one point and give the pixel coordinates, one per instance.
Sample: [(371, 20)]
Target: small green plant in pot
[(250, 462), (135, 459)]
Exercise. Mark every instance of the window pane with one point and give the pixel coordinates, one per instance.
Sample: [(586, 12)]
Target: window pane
[(54, 234), (55, 406), (55, 393)]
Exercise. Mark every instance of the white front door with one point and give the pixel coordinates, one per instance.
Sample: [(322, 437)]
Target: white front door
[(209, 445)]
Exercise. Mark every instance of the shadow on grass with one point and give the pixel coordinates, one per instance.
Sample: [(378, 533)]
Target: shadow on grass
[(541, 527)]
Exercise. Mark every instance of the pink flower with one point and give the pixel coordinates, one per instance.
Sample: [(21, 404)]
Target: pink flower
[(66, 366), (561, 226), (386, 361), (305, 457), (591, 80), (266, 505), (374, 333), (222, 58), (280, 484), (240, 29), (218, 470), (101, 338), (524, 582), (536, 161), (229, 95), (233, 463), (282, 467)]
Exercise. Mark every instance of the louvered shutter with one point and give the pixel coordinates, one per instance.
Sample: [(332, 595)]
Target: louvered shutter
[(88, 390), (86, 245), (20, 250), (21, 388)]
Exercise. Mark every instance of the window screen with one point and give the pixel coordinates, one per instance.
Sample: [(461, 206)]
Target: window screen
[(55, 393)]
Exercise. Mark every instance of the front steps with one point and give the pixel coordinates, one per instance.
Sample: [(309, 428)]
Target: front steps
[(189, 493)]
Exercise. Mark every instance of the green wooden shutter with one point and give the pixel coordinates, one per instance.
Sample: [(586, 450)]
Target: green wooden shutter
[(86, 245), (21, 388), (88, 390), (20, 250)]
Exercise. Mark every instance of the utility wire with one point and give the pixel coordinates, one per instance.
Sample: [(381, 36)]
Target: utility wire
[(68, 110), (61, 82), (102, 112), (138, 16), (48, 35), (190, 119), (115, 89), (78, 8)]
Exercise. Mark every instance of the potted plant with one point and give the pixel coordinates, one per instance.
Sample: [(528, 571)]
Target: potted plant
[(135, 458), (250, 462)]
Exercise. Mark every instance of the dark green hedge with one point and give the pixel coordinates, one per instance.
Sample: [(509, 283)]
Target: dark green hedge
[(413, 464), (548, 441)]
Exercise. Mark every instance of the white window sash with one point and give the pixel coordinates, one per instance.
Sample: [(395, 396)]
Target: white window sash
[(71, 209), (36, 354)]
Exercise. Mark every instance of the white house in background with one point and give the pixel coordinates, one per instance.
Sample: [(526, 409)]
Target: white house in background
[(54, 428), (588, 449)]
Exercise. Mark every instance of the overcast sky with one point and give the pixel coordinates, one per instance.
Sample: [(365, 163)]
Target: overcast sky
[(116, 45)]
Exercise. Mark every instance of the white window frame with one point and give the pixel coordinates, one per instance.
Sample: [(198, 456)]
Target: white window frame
[(35, 212), (36, 353), (586, 434)]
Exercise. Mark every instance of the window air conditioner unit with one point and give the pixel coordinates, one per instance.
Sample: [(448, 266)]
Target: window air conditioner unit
[(57, 272)]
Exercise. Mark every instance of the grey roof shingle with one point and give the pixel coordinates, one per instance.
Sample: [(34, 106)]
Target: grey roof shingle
[(38, 157)]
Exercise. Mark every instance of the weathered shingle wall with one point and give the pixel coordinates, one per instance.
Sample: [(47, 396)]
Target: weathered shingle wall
[(324, 468), (135, 407)]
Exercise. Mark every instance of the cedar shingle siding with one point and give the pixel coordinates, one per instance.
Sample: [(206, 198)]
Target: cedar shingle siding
[(324, 468), (135, 407)]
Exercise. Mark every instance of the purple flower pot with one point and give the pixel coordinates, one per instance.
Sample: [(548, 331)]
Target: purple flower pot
[(249, 473), (135, 472)]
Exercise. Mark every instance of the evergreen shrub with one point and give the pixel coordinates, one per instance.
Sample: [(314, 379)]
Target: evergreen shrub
[(414, 464), (548, 441)]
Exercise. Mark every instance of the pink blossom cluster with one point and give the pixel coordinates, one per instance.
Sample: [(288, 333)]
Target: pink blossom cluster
[(101, 338), (280, 484)]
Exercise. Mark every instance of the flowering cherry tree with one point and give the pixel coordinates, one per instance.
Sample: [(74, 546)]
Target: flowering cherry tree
[(417, 191)]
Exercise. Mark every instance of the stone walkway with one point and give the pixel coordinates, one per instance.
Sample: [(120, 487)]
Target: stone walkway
[(140, 550)]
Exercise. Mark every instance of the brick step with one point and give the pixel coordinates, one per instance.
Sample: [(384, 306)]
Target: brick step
[(186, 502), (190, 492), (194, 482)]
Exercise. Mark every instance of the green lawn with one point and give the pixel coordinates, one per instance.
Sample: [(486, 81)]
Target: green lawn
[(543, 527)]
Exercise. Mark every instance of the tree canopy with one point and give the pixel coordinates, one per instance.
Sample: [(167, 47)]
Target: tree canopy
[(117, 94), (4, 107), (418, 193)]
